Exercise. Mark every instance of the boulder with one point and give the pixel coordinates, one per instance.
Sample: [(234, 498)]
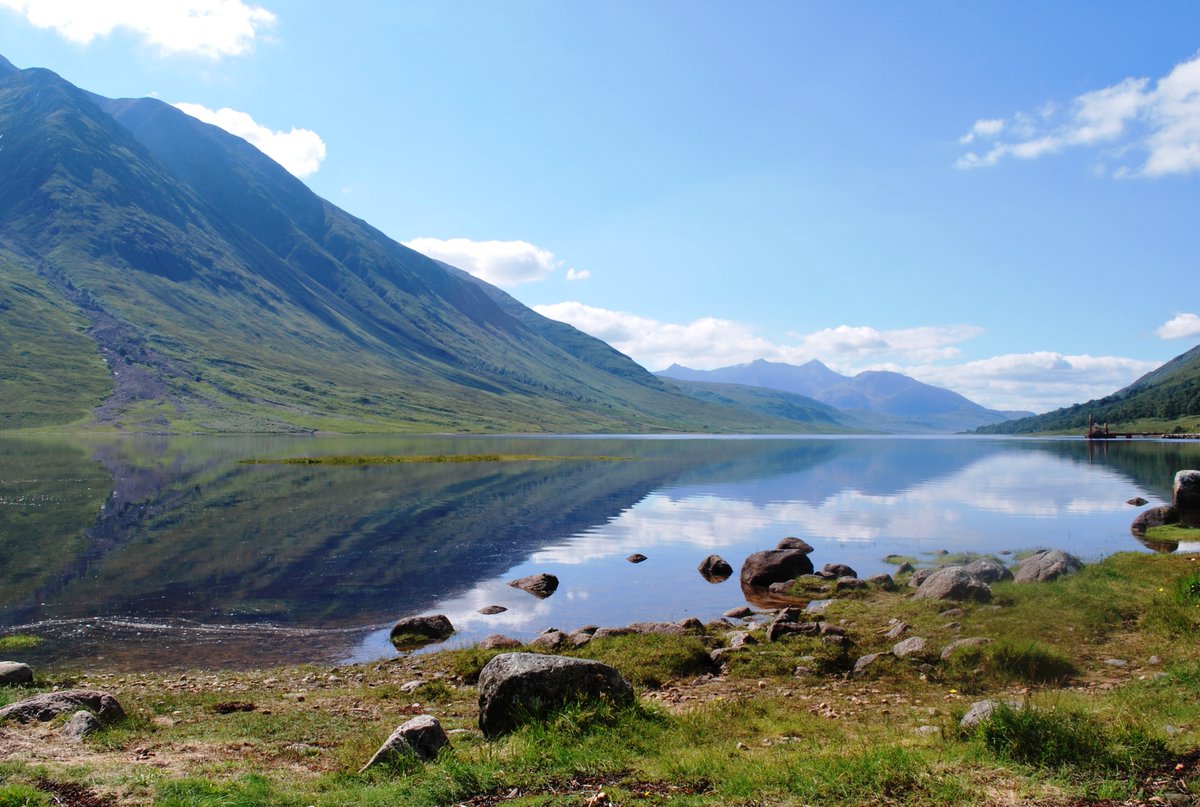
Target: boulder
[(550, 640), (1154, 517), (864, 662), (795, 543), (1048, 564), (422, 737), (52, 704), (14, 673), (958, 644), (849, 583), (740, 612), (491, 610), (883, 581), (660, 628), (982, 710), (518, 686), (1185, 494), (539, 585), (989, 570), (761, 569), (636, 557), (836, 570), (953, 583), (715, 569), (415, 631), (81, 724), (499, 642), (919, 576), (914, 646)]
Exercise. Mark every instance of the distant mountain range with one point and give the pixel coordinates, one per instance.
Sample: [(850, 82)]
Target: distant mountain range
[(160, 274), (1165, 399), (878, 400)]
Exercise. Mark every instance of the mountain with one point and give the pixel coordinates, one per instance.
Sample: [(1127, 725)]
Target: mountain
[(160, 274), (1162, 400), (877, 400)]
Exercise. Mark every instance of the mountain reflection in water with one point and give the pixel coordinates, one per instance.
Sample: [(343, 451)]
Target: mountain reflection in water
[(173, 553)]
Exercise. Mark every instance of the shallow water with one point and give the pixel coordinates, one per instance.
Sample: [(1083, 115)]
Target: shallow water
[(154, 553)]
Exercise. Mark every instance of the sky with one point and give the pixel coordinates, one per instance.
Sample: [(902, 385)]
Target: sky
[(1001, 198)]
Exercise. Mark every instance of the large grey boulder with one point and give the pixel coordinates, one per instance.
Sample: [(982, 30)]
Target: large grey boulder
[(415, 631), (953, 583), (539, 585), (1049, 564), (517, 686), (989, 570), (422, 737), (915, 646), (14, 673), (761, 569), (715, 569), (52, 704), (1185, 495)]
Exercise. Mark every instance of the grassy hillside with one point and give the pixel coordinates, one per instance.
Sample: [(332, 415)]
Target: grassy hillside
[(226, 296), (1165, 400)]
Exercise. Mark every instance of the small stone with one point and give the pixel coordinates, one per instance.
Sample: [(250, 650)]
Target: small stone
[(927, 731), (1137, 501), (897, 630), (636, 557), (715, 569), (422, 737), (914, 646), (492, 610), (81, 724), (498, 641), (1116, 662), (741, 612)]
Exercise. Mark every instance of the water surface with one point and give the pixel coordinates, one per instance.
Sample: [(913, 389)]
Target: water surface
[(172, 552)]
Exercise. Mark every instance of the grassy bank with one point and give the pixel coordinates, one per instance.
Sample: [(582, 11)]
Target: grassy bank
[(1102, 670)]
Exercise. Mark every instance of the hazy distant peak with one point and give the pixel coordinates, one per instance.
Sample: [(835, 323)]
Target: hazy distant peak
[(6, 66)]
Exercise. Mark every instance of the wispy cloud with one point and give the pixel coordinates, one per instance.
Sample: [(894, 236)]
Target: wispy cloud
[(300, 151), (209, 28), (578, 274), (1180, 327), (1031, 381), (1159, 122), (501, 263)]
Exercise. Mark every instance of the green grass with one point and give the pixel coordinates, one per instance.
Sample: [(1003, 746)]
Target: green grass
[(650, 660), (18, 641), (1064, 738), (1007, 661)]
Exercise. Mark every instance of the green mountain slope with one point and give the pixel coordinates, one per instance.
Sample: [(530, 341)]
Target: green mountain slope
[(1161, 400), (226, 296), (806, 413)]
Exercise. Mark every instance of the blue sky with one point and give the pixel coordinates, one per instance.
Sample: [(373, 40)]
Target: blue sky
[(1000, 198)]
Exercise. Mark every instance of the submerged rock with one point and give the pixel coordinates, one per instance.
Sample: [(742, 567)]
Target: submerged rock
[(761, 569), (539, 585), (415, 631), (715, 569), (1154, 517), (515, 687)]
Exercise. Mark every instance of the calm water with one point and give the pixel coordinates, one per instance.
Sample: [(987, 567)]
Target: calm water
[(142, 553)]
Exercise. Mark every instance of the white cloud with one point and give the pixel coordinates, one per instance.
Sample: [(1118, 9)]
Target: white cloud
[(1159, 122), (707, 343), (1181, 327), (578, 274), (209, 28), (1037, 382), (501, 263), (300, 151)]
